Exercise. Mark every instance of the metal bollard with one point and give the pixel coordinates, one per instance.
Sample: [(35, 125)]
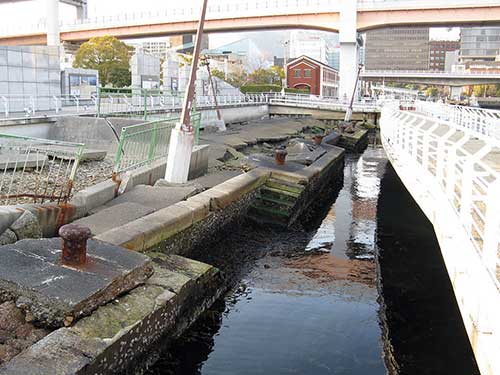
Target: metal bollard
[(74, 244)]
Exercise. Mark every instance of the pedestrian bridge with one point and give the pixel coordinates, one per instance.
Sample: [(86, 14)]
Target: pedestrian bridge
[(448, 157)]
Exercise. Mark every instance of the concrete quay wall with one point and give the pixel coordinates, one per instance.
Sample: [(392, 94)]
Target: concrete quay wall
[(126, 333)]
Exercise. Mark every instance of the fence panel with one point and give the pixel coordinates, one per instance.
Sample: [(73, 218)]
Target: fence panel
[(143, 143), (37, 170)]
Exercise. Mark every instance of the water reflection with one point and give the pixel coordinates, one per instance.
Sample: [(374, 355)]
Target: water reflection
[(348, 231)]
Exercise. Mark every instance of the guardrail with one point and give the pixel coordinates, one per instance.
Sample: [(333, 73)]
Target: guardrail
[(457, 171), (37, 170), (144, 143), (483, 122), (327, 104)]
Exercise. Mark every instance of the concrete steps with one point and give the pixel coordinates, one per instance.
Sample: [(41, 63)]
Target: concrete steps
[(275, 203)]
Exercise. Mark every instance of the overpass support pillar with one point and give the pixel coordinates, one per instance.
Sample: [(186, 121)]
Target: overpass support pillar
[(456, 92), (348, 48), (52, 8)]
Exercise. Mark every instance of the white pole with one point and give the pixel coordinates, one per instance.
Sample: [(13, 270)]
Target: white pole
[(53, 37)]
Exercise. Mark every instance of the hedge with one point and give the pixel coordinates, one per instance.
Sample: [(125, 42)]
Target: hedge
[(297, 91), (260, 88)]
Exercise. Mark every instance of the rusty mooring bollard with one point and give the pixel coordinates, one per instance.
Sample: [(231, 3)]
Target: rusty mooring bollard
[(74, 244), (280, 155), (318, 139)]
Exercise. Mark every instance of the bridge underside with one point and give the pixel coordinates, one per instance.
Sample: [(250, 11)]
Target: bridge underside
[(330, 21)]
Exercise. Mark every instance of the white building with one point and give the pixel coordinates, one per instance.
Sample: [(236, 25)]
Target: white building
[(311, 44)]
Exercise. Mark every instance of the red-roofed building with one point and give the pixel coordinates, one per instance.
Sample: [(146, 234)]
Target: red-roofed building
[(306, 73)]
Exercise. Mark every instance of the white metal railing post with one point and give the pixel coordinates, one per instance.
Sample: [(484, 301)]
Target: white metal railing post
[(491, 226)]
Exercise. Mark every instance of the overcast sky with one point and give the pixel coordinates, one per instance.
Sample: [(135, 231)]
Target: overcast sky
[(34, 10)]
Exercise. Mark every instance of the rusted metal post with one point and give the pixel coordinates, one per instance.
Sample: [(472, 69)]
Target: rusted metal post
[(74, 244), (188, 98), (280, 156)]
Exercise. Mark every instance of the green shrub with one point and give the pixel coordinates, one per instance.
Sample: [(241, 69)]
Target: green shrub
[(260, 88), (296, 91)]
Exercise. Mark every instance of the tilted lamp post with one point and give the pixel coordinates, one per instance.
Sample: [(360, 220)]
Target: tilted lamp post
[(182, 136)]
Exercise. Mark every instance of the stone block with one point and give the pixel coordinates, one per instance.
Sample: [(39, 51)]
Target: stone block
[(8, 216), (163, 224), (199, 210), (199, 161), (154, 197), (7, 237), (113, 217), (56, 295), (45, 356), (21, 160), (26, 226), (94, 196), (116, 335), (131, 238), (49, 216)]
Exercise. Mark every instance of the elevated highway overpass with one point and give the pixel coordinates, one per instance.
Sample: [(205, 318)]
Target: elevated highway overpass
[(224, 16)]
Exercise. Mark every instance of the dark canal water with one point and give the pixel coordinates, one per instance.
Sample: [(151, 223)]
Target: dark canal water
[(359, 288)]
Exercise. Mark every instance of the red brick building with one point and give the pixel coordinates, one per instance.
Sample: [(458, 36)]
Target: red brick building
[(306, 73), (437, 53)]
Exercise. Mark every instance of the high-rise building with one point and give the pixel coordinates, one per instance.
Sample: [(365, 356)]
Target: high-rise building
[(479, 43), (156, 48), (437, 53), (307, 43), (397, 48)]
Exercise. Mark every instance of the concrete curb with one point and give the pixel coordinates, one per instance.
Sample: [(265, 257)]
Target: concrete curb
[(149, 231)]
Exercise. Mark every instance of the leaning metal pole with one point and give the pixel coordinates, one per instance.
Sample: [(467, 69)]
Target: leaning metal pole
[(348, 113), (182, 136), (189, 95)]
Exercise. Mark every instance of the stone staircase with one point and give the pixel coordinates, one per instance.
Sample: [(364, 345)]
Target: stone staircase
[(275, 202)]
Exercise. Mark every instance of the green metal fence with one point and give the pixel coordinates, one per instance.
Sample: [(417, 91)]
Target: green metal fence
[(135, 102), (37, 170), (144, 143)]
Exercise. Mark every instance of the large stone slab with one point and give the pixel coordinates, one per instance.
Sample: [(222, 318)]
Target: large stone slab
[(153, 197), (20, 161), (119, 335), (114, 216), (55, 295)]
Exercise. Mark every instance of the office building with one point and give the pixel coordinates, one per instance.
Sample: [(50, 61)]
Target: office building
[(437, 53), (397, 48), (479, 43)]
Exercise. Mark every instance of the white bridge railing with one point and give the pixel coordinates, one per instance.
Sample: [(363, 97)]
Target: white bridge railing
[(482, 121), (451, 166), (307, 101)]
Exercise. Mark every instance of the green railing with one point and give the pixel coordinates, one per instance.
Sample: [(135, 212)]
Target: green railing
[(144, 143), (130, 102)]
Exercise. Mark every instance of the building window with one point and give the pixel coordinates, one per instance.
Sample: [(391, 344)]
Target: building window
[(296, 73), (307, 73)]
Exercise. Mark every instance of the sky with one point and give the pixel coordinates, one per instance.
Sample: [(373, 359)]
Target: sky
[(34, 10)]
